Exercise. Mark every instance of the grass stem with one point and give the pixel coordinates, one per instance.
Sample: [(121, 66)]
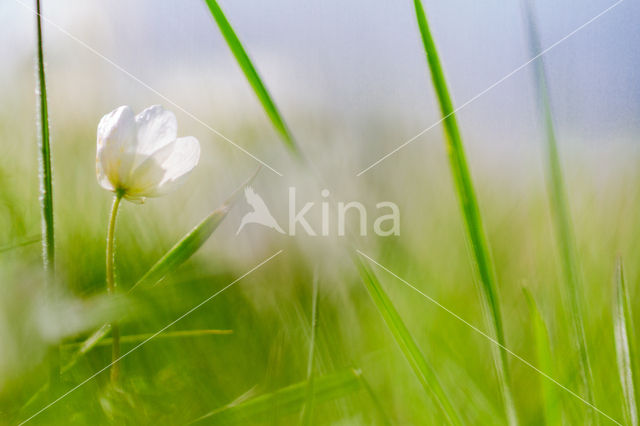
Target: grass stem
[(307, 410)]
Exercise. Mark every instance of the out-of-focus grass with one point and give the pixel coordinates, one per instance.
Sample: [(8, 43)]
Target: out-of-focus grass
[(423, 370), (626, 346), (544, 360), (467, 199), (565, 238)]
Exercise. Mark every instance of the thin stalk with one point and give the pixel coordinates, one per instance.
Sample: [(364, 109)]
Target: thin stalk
[(290, 399), (46, 186), (307, 410), (561, 215), (626, 349), (111, 287), (25, 242), (551, 399), (469, 205)]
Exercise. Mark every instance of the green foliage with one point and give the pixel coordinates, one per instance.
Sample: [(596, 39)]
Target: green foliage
[(469, 205), (421, 367), (252, 75), (286, 401)]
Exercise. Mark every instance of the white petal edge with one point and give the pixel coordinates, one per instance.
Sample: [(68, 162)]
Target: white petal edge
[(156, 127), (182, 160), (116, 134)]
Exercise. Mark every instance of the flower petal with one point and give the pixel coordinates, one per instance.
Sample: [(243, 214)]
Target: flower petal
[(181, 161), (165, 169), (146, 177), (157, 127), (116, 137)]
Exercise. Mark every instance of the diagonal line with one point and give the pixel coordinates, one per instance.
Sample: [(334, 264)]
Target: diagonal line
[(150, 337), (482, 333), (497, 83), (133, 77)]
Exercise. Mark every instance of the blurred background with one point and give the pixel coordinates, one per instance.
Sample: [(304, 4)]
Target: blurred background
[(351, 80)]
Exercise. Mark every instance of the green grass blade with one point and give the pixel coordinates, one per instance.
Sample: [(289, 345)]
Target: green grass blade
[(190, 243), (252, 75), (422, 369), (551, 398), (25, 242), (289, 399), (626, 348), (469, 205), (184, 248), (561, 216), (87, 345), (137, 338), (383, 416), (46, 183), (307, 411)]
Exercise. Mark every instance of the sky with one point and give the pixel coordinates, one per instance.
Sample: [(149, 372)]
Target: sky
[(348, 60)]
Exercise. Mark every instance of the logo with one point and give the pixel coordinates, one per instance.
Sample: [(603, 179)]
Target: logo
[(384, 225), (260, 214)]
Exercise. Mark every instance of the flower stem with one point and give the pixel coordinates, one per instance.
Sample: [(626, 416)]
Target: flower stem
[(111, 286)]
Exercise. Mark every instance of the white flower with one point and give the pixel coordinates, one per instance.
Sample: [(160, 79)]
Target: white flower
[(140, 156)]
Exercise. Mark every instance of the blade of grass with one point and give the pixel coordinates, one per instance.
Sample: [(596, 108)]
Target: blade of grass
[(25, 242), (87, 345), (551, 398), (190, 243), (626, 349), (469, 205), (46, 185), (421, 367), (184, 248), (136, 338), (252, 76), (561, 216), (307, 409), (384, 418), (290, 399)]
